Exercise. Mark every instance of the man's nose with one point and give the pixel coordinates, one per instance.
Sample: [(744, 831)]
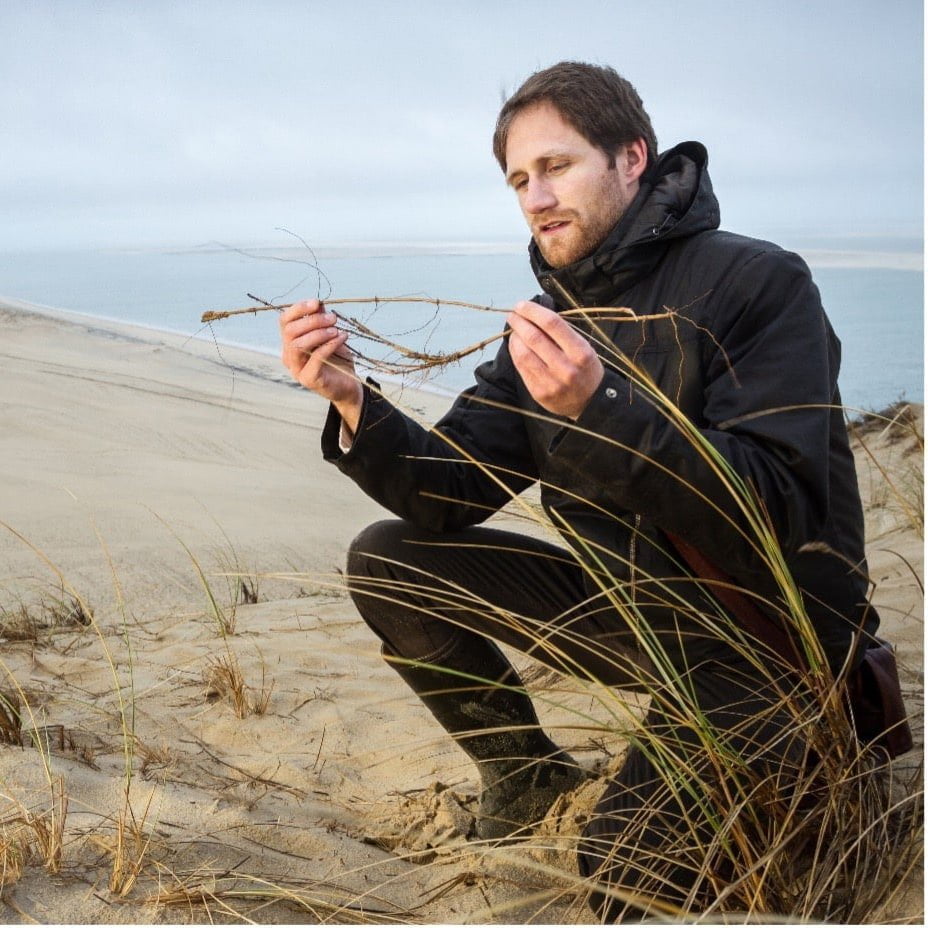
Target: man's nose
[(538, 197)]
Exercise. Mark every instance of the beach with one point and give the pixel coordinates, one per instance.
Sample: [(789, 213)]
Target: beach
[(222, 741)]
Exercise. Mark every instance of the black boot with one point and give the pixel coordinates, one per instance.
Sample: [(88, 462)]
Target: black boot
[(521, 770)]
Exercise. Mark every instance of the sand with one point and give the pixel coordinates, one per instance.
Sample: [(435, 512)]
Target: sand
[(152, 476)]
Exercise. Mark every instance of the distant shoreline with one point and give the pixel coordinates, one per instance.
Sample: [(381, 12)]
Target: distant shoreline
[(814, 257), (865, 260), (269, 370), (895, 259)]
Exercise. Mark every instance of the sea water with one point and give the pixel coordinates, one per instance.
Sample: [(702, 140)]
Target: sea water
[(876, 311)]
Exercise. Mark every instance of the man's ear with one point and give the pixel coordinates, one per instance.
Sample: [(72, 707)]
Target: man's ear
[(633, 160)]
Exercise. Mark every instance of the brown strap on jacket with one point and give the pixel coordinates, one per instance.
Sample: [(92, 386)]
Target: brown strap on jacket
[(761, 626), (873, 692)]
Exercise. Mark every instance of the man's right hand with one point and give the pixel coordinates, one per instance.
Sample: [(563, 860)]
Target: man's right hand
[(317, 356)]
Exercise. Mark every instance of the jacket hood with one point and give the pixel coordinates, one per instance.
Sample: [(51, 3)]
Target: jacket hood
[(674, 200)]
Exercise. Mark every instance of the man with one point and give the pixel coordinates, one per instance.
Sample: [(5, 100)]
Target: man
[(701, 413)]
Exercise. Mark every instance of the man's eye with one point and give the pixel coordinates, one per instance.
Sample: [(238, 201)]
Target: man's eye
[(520, 184), (557, 167)]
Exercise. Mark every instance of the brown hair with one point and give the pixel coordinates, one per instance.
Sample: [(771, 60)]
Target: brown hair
[(601, 105)]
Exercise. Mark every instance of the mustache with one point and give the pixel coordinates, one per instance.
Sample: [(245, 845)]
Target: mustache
[(552, 218)]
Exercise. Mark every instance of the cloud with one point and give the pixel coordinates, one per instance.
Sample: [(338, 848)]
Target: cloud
[(148, 120)]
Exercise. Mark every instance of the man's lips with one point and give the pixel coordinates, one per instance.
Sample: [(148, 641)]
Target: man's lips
[(553, 226)]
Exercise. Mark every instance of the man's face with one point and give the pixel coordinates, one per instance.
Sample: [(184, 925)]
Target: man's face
[(569, 195)]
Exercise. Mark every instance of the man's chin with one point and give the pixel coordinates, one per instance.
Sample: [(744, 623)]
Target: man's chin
[(559, 257), (563, 253)]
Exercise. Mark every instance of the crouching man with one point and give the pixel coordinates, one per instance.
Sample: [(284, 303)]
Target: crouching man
[(728, 330)]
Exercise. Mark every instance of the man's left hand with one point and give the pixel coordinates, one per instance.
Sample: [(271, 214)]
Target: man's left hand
[(557, 364)]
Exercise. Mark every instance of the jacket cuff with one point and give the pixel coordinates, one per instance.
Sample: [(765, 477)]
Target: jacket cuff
[(332, 430), (607, 414), (614, 390), (602, 407)]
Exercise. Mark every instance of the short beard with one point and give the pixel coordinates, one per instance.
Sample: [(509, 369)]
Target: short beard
[(594, 229), (582, 247)]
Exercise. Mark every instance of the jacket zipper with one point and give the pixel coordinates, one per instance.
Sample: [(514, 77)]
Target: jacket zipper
[(633, 541), (574, 304), (632, 557)]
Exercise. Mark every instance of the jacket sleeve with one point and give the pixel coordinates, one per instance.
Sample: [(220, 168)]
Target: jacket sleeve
[(472, 462), (770, 372)]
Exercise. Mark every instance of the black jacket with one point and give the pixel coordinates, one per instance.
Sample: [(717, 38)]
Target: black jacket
[(738, 340)]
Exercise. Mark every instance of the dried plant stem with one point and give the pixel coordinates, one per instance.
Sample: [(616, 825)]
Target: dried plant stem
[(214, 315), (48, 827), (412, 361)]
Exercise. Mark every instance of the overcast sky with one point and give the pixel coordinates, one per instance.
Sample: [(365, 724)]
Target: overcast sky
[(159, 123)]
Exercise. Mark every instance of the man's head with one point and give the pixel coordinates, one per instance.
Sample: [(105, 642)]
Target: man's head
[(573, 141)]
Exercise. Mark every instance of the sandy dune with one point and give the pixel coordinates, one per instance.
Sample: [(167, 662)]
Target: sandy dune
[(135, 462)]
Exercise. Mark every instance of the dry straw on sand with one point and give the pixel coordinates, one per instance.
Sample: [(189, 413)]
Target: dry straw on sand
[(340, 801)]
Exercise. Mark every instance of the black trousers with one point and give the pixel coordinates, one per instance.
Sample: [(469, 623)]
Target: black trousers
[(432, 597)]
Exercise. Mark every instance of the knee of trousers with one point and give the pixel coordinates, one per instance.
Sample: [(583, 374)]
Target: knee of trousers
[(383, 578), (367, 575), (370, 553), (372, 567)]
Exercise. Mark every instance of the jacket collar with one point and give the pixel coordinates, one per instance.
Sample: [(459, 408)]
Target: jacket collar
[(674, 200)]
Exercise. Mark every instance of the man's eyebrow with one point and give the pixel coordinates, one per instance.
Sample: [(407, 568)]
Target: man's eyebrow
[(548, 155)]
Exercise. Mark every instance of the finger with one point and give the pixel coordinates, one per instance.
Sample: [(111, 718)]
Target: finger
[(328, 354), (540, 375), (535, 341), (571, 342), (301, 336), (530, 367), (544, 318), (303, 325), (312, 338), (543, 362), (298, 310), (332, 350)]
